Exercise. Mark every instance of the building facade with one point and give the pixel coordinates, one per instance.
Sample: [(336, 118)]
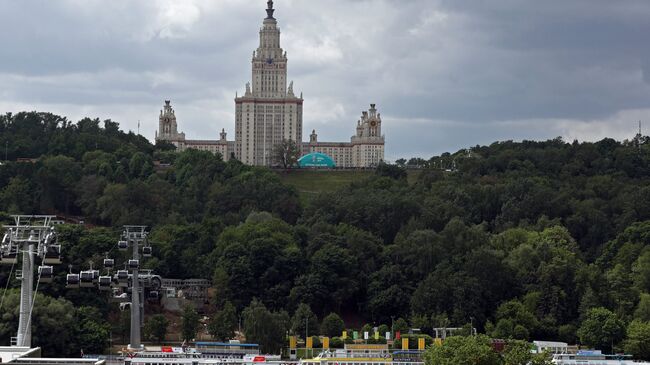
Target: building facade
[(365, 149), (168, 131), (270, 112)]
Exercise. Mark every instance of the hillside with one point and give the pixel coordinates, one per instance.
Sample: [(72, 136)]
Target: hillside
[(529, 240)]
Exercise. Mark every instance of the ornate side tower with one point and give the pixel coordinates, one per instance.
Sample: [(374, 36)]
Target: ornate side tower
[(368, 143), (269, 112), (167, 127)]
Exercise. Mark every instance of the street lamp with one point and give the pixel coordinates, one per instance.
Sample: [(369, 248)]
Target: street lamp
[(471, 326)]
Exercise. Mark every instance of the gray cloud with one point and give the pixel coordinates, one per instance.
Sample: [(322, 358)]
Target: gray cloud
[(446, 74)]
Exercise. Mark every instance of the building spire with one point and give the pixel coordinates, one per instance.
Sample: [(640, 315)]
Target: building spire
[(270, 10)]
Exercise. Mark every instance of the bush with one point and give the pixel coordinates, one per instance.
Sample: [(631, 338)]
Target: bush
[(156, 328), (332, 325), (336, 343), (383, 329), (400, 325)]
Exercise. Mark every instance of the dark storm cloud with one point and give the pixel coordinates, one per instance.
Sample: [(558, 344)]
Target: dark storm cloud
[(446, 74)]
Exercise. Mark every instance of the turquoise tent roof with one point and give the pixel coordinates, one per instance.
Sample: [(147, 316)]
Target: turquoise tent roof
[(316, 159)]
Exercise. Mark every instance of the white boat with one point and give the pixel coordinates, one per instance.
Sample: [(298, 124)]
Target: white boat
[(594, 357), (215, 353), (365, 354)]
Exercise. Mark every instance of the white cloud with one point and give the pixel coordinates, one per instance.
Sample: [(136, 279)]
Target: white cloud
[(174, 19), (445, 74), (622, 125)]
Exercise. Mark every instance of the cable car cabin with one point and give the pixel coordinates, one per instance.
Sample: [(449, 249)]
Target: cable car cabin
[(146, 251), (95, 275), (134, 264), (45, 274), (52, 255), (72, 281), (9, 258), (104, 282), (86, 279), (122, 278), (109, 263), (122, 245), (153, 295)]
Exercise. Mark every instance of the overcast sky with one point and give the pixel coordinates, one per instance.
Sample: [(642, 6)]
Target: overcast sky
[(445, 74)]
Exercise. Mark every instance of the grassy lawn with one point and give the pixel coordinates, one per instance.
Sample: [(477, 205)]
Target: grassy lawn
[(311, 182)]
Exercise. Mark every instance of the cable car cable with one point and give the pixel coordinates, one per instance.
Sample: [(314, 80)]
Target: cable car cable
[(7, 286)]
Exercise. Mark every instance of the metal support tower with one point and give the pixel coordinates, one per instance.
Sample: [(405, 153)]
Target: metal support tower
[(26, 295), (135, 235), (31, 236), (134, 238)]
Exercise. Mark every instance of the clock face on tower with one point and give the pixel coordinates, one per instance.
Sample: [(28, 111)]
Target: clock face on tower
[(373, 124), (269, 61)]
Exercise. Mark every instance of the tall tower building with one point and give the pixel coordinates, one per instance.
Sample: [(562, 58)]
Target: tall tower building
[(167, 127), (269, 112)]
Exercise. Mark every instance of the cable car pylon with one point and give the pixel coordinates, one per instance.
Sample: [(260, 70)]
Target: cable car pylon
[(32, 236)]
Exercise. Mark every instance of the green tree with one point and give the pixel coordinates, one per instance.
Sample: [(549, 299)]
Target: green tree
[(222, 325), (16, 197), (518, 353), (400, 325), (457, 350), (189, 323), (641, 272), (92, 330), (140, 165), (304, 321), (220, 286), (642, 311), (156, 328), (601, 329), (388, 293), (332, 325), (57, 179), (638, 340), (53, 323), (286, 154), (393, 171), (239, 250), (265, 328), (514, 321), (382, 329), (541, 359)]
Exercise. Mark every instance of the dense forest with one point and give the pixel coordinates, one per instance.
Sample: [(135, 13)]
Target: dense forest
[(525, 240)]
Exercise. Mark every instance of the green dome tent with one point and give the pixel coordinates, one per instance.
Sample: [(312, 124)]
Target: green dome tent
[(316, 159)]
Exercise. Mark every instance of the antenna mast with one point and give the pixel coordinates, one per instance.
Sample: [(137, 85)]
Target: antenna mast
[(639, 138)]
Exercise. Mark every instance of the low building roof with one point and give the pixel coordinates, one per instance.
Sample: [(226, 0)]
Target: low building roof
[(316, 159)]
